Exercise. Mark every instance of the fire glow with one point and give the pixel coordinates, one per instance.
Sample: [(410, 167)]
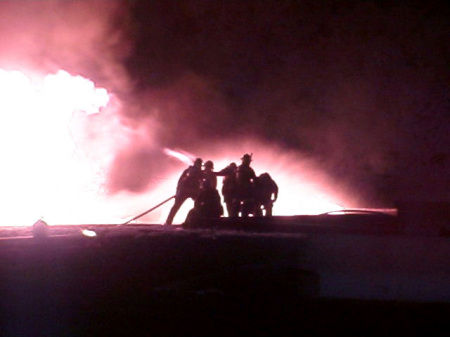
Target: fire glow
[(42, 162), (303, 189), (59, 137)]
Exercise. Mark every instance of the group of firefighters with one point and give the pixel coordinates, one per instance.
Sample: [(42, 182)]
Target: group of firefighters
[(243, 192)]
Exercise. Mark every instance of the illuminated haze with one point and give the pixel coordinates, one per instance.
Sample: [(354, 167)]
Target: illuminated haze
[(330, 113)]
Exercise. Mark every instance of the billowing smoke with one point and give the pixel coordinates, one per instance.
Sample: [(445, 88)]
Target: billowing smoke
[(342, 102), (87, 38), (61, 64), (360, 87)]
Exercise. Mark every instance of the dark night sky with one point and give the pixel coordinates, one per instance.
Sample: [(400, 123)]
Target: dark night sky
[(360, 85)]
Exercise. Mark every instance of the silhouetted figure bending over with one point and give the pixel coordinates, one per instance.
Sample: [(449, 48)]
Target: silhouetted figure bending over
[(188, 186), (207, 206), (245, 178), (266, 193), (229, 189)]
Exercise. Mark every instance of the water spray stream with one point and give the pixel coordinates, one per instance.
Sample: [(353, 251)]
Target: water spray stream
[(60, 138)]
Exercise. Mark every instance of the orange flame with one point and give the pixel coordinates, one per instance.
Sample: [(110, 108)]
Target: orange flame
[(58, 138), (45, 170)]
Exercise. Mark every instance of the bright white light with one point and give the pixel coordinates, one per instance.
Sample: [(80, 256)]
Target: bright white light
[(59, 135), (88, 233), (73, 93), (44, 127)]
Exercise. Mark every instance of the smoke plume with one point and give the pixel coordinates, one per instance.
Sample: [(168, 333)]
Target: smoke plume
[(353, 94)]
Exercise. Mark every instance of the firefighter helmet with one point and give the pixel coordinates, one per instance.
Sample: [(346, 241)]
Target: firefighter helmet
[(209, 164)]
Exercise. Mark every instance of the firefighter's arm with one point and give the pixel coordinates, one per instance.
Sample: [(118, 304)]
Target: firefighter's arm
[(182, 177), (223, 172), (181, 180)]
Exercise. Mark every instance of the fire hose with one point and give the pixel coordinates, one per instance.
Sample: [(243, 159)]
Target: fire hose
[(148, 211)]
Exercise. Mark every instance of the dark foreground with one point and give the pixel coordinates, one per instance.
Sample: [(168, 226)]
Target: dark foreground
[(183, 283)]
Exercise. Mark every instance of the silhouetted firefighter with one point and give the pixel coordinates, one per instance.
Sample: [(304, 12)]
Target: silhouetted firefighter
[(209, 174), (207, 205), (245, 178), (188, 186), (266, 193), (229, 189)]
